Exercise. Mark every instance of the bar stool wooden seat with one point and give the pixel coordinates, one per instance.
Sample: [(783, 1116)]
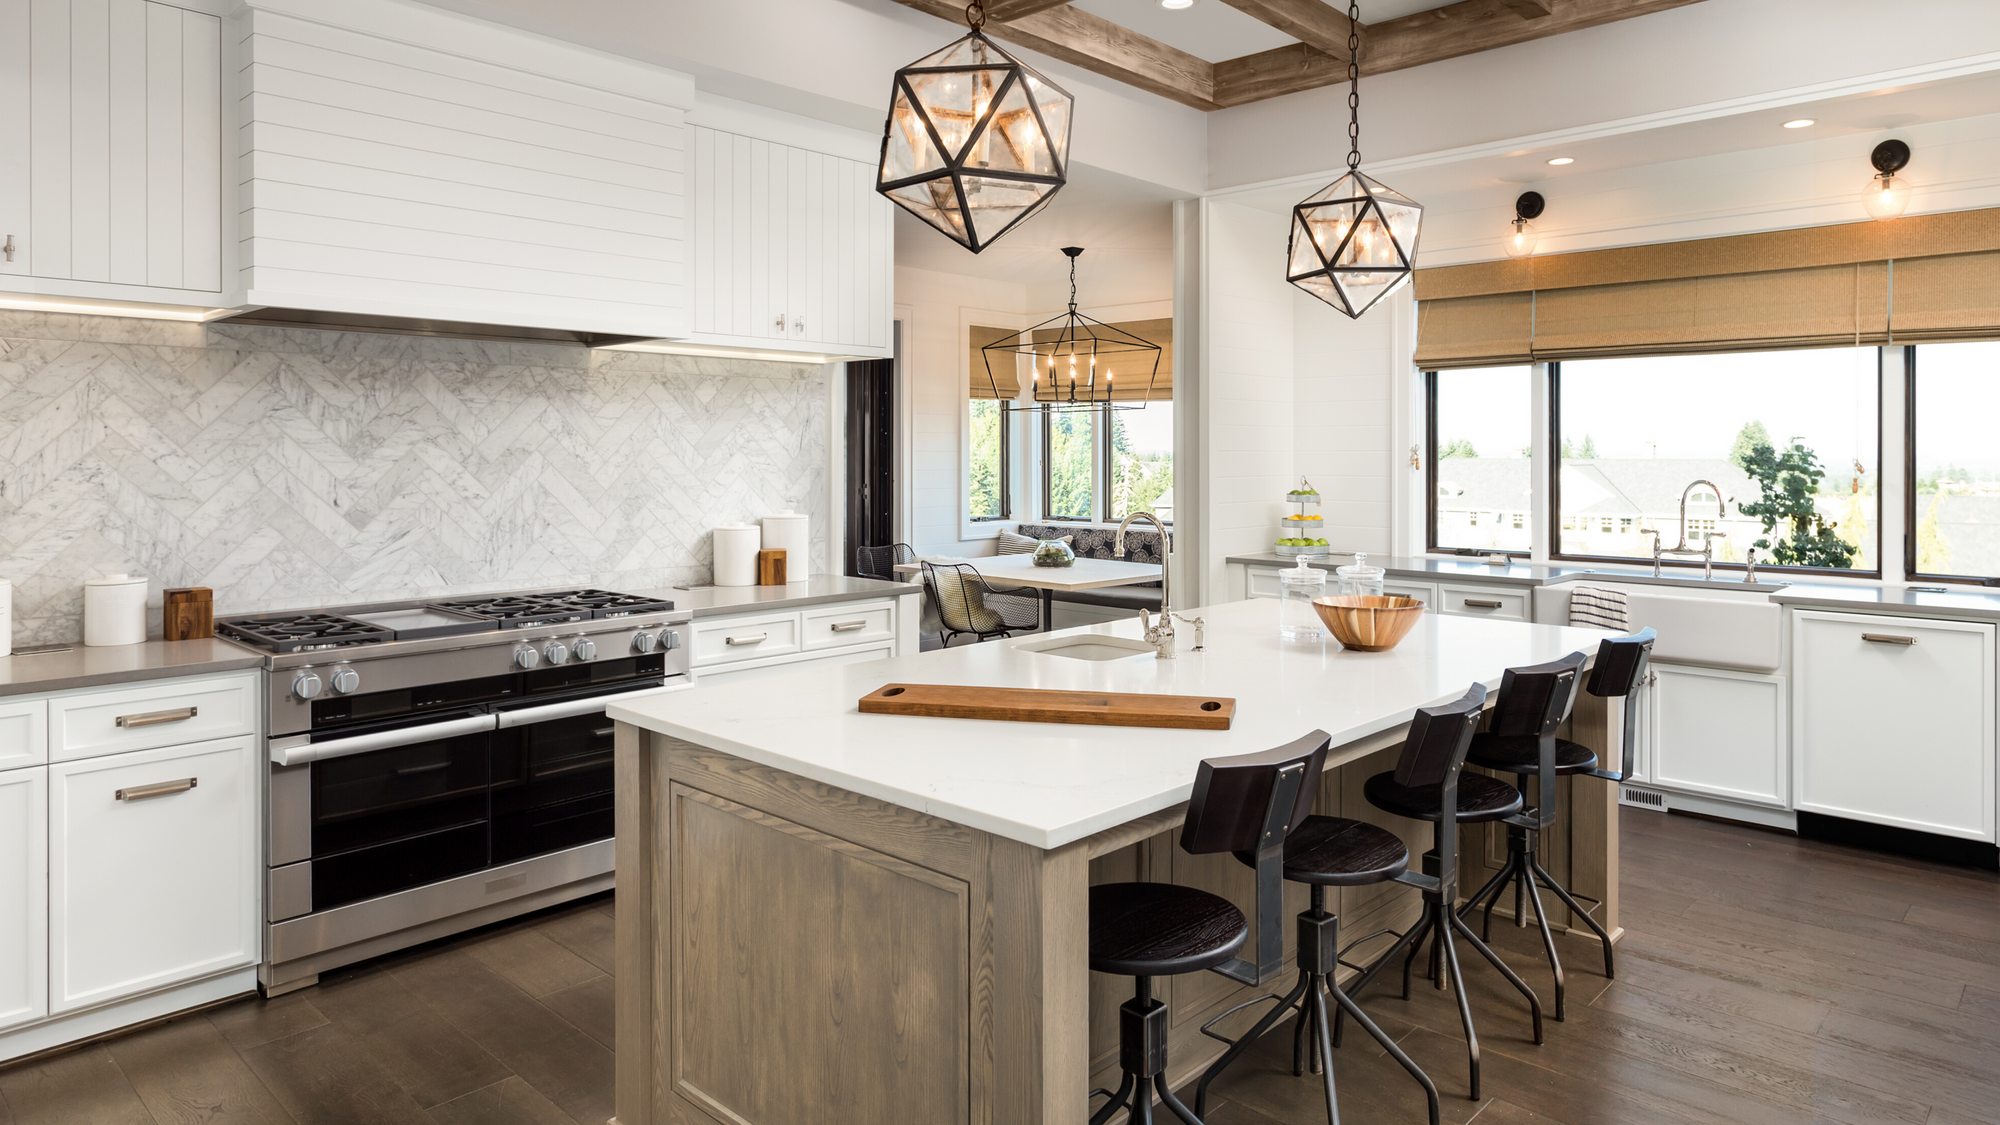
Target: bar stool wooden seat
[(1332, 851), (1248, 803), (1432, 786), (1521, 740)]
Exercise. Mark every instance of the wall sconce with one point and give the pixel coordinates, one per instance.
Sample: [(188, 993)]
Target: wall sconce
[(1520, 242), (1888, 194)]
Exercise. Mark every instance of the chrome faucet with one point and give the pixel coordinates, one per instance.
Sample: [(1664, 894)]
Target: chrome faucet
[(1750, 569), (1708, 538), (1160, 636)]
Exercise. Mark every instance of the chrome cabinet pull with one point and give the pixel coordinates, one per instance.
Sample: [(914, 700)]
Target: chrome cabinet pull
[(1888, 639), (747, 639), (1483, 603), (155, 718), (849, 626), (157, 789)]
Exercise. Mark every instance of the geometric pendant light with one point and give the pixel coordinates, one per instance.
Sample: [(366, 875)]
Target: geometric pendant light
[(1355, 241), (1076, 362), (975, 141)]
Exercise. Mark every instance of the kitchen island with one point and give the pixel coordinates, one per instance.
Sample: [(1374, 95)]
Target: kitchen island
[(826, 915)]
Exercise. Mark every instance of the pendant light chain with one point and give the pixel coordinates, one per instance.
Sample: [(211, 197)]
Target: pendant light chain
[(1072, 283), (975, 15), (1353, 85)]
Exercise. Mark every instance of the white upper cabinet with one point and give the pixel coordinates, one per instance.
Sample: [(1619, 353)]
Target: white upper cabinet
[(399, 160), (113, 186), (792, 247)]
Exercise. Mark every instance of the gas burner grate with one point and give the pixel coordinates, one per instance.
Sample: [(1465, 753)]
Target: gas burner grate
[(302, 632), (608, 603), (517, 611)]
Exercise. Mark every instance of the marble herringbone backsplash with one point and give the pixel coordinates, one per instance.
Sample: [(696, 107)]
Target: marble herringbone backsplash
[(291, 468)]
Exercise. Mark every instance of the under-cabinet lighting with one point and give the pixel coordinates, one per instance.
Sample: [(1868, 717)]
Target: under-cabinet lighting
[(1801, 123), (724, 353), (1559, 161), (87, 307)]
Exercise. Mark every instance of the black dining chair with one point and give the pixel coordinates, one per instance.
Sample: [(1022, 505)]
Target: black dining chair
[(1522, 741), (967, 603), (1245, 803), (880, 563), (1429, 783)]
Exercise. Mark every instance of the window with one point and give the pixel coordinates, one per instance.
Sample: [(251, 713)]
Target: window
[(1481, 431), (1790, 439), (1954, 488), (986, 475), (1140, 458), (1069, 439)]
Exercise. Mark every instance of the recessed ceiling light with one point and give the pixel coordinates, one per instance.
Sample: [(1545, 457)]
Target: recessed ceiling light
[(1176, 5), (1799, 123), (1559, 161)]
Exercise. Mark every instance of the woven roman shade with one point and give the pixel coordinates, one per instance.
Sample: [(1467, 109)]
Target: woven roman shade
[(1005, 381), (1916, 278)]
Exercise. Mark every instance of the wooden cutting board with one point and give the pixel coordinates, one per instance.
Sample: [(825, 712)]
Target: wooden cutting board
[(1042, 705)]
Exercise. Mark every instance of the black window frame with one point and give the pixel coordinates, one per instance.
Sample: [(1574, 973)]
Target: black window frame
[(1048, 474), (1431, 480), (1554, 470), (1910, 516), (1006, 484)]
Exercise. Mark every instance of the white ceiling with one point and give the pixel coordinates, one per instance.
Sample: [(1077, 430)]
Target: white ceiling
[(1215, 31), (1122, 223)]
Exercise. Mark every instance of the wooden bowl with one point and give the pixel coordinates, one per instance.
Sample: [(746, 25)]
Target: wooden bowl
[(1369, 623)]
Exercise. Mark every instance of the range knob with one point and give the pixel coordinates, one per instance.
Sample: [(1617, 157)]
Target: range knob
[(525, 657), (556, 652), (344, 681), (643, 643), (669, 640), (585, 648), (306, 684)]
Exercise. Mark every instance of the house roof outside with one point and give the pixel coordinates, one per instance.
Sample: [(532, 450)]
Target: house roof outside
[(1599, 486)]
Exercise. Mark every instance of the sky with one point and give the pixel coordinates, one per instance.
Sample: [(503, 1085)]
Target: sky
[(1958, 401)]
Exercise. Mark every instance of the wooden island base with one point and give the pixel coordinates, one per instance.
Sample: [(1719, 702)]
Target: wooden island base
[(791, 952)]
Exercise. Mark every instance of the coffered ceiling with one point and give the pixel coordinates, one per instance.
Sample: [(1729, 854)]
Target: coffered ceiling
[(1220, 53)]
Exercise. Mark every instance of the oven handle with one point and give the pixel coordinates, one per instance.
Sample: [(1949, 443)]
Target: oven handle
[(591, 705), (292, 752)]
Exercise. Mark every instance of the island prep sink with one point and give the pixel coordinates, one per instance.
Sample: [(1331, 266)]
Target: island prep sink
[(1091, 646)]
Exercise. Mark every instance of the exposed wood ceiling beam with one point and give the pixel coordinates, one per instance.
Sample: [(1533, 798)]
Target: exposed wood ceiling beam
[(1532, 9), (1457, 29), (1308, 21), (1098, 45), (1015, 9)]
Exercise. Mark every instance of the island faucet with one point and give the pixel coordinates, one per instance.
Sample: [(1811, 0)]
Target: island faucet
[(1708, 538), (1160, 636)]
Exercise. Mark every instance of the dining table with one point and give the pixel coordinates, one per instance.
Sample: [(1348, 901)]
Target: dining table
[(1081, 574)]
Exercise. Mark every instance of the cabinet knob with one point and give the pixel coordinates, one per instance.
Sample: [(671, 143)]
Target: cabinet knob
[(799, 325), (779, 322), (9, 248)]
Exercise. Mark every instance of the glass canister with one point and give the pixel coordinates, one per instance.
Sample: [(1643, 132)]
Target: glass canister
[(1297, 587), (1360, 578)]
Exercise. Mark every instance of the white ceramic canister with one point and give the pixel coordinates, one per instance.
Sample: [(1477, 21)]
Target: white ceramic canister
[(736, 547), (114, 610), (6, 617), (789, 531)]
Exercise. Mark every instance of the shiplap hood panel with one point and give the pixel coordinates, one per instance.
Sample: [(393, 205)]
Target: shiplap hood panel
[(409, 166)]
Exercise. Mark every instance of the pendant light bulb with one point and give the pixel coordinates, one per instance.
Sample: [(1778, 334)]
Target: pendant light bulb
[(1520, 241), (1887, 194)]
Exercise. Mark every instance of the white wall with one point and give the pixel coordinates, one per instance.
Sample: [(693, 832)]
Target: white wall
[(1343, 410)]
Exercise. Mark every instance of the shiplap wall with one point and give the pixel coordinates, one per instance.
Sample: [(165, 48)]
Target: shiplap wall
[(1248, 385), (122, 169), (1344, 389), (400, 160)]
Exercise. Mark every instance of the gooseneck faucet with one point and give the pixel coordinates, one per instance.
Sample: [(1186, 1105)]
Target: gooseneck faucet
[(1160, 636), (1708, 538)]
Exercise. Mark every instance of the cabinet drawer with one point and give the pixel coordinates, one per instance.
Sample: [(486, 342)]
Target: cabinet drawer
[(1262, 582), (727, 640), (842, 625), (155, 887), (1484, 601), (1421, 591), (159, 713), (24, 733), (730, 674)]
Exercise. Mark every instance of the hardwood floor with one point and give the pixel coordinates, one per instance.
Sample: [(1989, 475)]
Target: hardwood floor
[(1763, 979)]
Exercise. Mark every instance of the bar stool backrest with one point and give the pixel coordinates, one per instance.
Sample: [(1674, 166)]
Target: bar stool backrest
[(1232, 798), (1535, 700), (1438, 741), (1621, 664)]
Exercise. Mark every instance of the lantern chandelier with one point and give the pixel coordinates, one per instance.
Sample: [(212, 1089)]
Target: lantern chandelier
[(1074, 362), (1355, 241), (975, 141)]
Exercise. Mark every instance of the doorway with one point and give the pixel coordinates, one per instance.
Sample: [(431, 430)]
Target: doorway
[(871, 457)]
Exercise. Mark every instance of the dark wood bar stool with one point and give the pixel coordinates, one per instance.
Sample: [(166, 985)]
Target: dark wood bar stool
[(1521, 740), (1332, 851), (1429, 784), (1249, 803)]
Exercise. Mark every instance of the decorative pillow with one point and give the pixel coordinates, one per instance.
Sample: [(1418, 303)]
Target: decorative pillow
[(1012, 544)]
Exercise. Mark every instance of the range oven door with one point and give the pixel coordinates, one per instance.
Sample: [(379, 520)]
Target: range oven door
[(552, 774)]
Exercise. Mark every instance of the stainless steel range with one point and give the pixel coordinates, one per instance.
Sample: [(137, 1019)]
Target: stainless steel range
[(439, 765)]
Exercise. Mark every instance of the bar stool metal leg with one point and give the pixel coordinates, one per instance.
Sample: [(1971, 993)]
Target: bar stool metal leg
[(1142, 1055)]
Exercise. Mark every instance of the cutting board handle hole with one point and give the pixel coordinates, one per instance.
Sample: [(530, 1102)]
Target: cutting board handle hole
[(886, 692), (1211, 705)]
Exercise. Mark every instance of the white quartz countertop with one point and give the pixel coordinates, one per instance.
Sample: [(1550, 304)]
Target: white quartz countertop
[(1047, 785)]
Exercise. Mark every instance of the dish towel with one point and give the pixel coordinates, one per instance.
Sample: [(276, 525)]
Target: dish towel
[(1597, 607)]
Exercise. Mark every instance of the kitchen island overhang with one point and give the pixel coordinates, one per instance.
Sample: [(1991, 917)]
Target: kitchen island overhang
[(824, 912)]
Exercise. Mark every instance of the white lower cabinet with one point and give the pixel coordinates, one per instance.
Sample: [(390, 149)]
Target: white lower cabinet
[(741, 645), (1719, 733), (1893, 721), (1421, 591), (24, 896), (152, 870), (732, 673)]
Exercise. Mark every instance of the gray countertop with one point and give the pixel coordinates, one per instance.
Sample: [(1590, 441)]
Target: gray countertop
[(1517, 574), (714, 601), (82, 666), (1900, 601)]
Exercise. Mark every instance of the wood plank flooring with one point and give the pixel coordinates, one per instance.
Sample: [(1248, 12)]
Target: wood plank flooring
[(1764, 979)]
